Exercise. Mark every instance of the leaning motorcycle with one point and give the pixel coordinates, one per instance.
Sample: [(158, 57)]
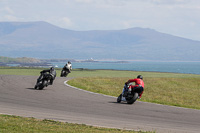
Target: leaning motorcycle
[(64, 73), (42, 81), (128, 95)]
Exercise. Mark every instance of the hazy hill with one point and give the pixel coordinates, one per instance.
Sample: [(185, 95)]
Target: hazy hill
[(43, 40), (19, 60)]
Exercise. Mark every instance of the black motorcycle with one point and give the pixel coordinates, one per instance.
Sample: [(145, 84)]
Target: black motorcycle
[(64, 73), (130, 96), (42, 81)]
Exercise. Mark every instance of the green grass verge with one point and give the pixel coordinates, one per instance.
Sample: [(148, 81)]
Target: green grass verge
[(16, 124), (20, 71), (181, 92), (92, 73)]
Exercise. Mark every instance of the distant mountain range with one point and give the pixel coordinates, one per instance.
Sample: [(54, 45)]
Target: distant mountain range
[(19, 60), (23, 62), (46, 41)]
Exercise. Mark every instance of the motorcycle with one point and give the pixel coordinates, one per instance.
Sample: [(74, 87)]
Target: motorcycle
[(64, 73), (128, 95), (42, 81)]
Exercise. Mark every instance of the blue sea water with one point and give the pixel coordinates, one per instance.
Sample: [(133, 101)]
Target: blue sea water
[(175, 67)]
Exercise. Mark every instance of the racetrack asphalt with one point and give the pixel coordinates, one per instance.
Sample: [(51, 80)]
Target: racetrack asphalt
[(67, 104)]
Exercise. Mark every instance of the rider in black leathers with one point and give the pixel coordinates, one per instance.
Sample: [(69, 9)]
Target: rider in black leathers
[(52, 73)]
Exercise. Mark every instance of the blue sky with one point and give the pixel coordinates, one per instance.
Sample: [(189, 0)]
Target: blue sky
[(175, 17)]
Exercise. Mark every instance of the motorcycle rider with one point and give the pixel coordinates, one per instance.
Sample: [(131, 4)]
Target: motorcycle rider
[(68, 67), (52, 73), (138, 87)]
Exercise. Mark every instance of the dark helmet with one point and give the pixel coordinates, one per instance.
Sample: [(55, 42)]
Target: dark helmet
[(139, 77), (52, 69)]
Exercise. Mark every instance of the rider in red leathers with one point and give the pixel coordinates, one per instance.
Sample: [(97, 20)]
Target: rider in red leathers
[(139, 85)]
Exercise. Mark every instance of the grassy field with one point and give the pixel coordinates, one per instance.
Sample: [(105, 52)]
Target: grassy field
[(20, 71), (93, 73), (181, 92), (16, 124)]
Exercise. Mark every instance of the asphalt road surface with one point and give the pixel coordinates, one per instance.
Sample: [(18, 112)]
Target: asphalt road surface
[(63, 103)]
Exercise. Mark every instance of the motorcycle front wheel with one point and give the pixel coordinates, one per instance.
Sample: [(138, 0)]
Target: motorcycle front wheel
[(38, 85), (119, 99), (44, 83), (62, 73)]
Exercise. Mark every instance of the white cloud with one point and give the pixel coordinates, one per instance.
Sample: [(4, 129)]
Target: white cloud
[(66, 22), (170, 2), (8, 10), (11, 18), (84, 1)]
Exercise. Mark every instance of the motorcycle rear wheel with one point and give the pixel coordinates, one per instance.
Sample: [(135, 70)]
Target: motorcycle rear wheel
[(132, 100), (41, 87)]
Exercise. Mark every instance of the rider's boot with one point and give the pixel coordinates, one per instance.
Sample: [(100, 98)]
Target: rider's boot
[(123, 98), (140, 95)]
